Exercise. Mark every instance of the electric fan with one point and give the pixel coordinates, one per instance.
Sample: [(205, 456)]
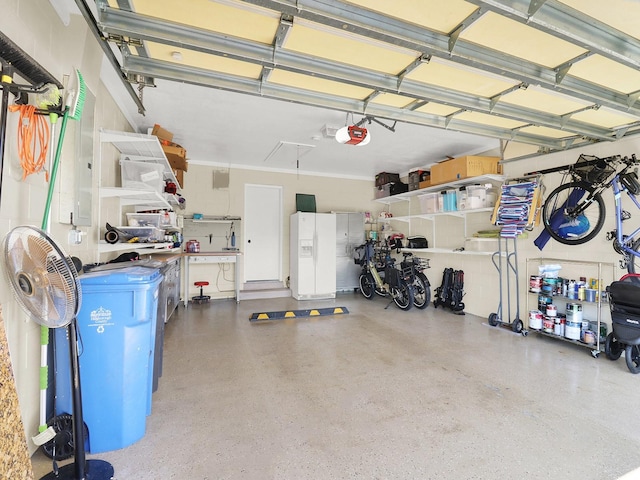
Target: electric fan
[(45, 283)]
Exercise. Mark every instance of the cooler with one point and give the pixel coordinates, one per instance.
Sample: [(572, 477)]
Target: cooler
[(117, 329)]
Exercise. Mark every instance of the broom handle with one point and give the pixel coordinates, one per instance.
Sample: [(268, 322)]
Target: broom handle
[(54, 170)]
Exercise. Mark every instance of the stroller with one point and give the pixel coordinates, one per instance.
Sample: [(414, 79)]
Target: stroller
[(624, 302)]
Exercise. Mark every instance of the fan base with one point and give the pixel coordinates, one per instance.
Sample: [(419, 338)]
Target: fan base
[(94, 470)]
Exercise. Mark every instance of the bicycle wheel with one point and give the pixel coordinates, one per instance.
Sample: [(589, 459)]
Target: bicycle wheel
[(403, 295), (570, 217), (421, 291), (367, 285)]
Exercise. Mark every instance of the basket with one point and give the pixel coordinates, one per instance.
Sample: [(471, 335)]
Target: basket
[(360, 256), (592, 169)]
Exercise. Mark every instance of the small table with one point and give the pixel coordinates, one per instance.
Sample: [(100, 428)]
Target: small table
[(211, 257)]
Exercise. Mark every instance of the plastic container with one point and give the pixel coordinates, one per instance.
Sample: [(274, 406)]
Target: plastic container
[(145, 234), (117, 325), (430, 202), (142, 175), (144, 219), (450, 200)]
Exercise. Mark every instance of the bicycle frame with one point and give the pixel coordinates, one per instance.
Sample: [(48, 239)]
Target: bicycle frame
[(624, 241)]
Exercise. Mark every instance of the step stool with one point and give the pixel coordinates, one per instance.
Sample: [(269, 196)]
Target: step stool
[(201, 298)]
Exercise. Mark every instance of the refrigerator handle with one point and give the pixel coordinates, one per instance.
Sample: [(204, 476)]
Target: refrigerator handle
[(315, 248)]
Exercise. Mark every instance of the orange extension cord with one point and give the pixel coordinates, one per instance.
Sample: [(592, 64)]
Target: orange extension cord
[(33, 136)]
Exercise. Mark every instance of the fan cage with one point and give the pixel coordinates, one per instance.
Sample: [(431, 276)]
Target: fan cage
[(42, 276)]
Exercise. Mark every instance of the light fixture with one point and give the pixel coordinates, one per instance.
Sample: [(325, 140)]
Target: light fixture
[(353, 135)]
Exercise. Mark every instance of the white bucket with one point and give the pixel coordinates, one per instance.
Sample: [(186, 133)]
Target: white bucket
[(572, 329), (535, 319)]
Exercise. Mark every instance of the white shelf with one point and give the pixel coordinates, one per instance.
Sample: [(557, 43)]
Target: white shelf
[(140, 148), (449, 251), (403, 197), (429, 216)]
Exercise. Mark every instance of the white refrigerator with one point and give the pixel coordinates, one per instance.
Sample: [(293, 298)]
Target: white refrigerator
[(312, 250)]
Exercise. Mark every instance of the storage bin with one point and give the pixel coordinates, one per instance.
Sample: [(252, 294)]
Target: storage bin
[(145, 234), (383, 178), (430, 202), (142, 175), (144, 219)]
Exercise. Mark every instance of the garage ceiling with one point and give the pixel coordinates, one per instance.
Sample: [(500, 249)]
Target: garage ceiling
[(457, 76)]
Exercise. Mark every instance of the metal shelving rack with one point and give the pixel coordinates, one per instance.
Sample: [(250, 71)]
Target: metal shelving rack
[(599, 267)]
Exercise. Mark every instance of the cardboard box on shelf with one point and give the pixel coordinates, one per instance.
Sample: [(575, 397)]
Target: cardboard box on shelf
[(177, 157), (179, 176), (424, 184), (464, 167), (161, 133)]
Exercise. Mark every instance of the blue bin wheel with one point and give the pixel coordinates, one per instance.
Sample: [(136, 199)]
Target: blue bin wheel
[(61, 446)]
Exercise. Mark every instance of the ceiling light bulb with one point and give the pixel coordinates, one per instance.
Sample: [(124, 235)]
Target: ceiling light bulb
[(177, 56)]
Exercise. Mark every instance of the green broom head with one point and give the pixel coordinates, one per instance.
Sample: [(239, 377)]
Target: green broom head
[(75, 103)]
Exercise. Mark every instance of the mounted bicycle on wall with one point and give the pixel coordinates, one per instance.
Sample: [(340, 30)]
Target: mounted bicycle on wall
[(574, 212)]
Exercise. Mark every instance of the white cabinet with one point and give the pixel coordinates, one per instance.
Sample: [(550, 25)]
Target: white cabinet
[(349, 234), (140, 148), (466, 221)]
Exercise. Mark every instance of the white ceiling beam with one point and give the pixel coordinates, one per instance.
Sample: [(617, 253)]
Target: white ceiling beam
[(346, 17), (203, 77), (564, 22), (148, 28)]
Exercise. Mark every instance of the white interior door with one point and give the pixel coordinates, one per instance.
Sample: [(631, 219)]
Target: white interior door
[(262, 233)]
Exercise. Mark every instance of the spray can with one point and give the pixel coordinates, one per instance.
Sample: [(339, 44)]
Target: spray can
[(233, 239)]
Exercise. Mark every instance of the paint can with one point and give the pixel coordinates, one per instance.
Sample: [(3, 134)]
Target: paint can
[(543, 301), (589, 337), (552, 311), (549, 286), (547, 324), (558, 326), (572, 330), (574, 310), (535, 283), (535, 319)]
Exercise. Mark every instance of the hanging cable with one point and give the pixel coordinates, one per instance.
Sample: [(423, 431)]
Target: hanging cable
[(33, 139)]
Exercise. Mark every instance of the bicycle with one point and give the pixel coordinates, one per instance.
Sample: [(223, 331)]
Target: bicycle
[(574, 212), (382, 277), (421, 285)]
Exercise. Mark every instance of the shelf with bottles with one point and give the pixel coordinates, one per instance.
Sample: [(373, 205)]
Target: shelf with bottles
[(561, 297)]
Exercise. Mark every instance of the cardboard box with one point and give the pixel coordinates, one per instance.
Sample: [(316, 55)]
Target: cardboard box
[(464, 167), (177, 157), (425, 184), (161, 133), (180, 177)]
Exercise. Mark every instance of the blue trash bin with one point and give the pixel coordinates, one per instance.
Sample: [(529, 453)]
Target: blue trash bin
[(116, 328)]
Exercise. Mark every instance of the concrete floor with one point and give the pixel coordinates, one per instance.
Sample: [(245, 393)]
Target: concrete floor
[(377, 394)]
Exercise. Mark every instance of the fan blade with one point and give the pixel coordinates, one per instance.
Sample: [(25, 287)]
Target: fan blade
[(39, 249), (16, 254), (49, 310)]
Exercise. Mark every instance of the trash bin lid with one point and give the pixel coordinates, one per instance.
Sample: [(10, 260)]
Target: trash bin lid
[(121, 276)]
